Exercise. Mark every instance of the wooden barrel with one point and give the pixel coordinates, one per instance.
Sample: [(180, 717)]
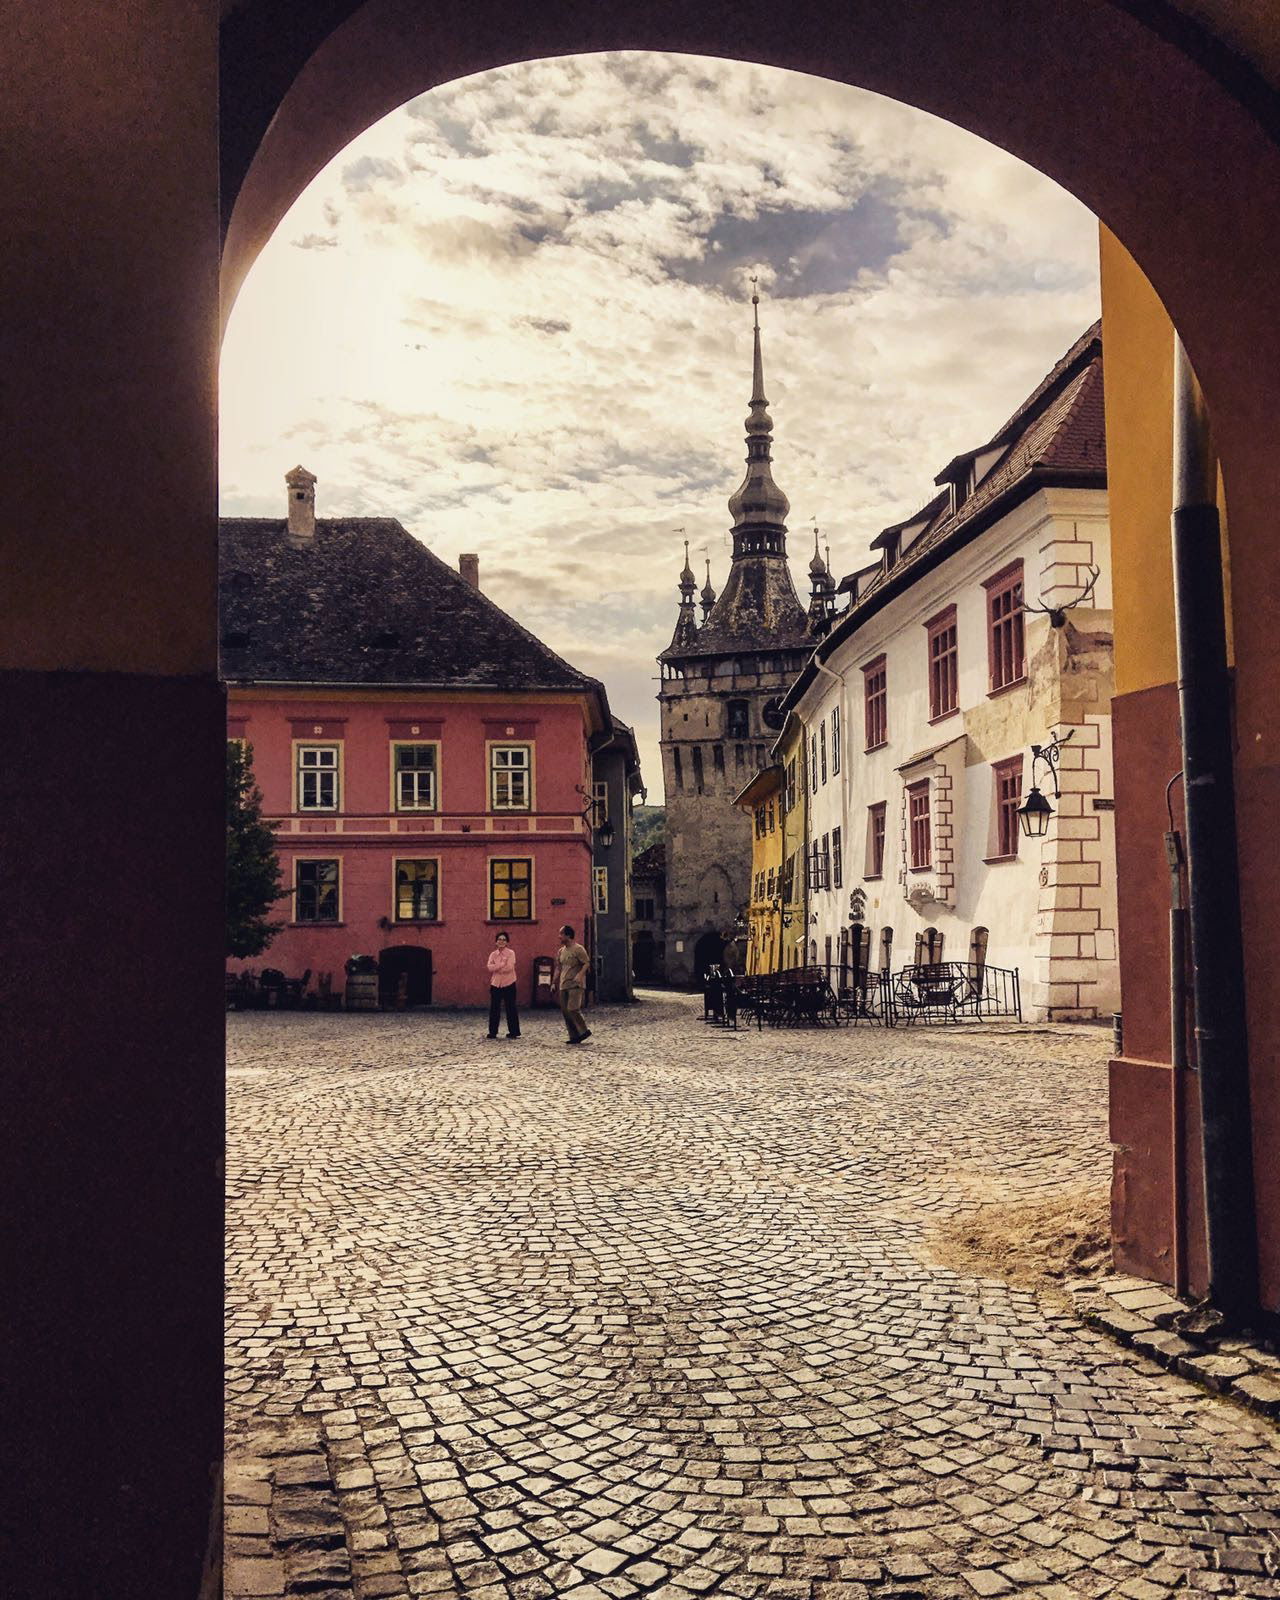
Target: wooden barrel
[(362, 991)]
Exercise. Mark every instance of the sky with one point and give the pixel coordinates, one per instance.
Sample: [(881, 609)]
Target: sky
[(515, 314)]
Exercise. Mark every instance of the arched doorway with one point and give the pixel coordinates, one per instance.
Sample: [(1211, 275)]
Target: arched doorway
[(410, 962), (706, 953)]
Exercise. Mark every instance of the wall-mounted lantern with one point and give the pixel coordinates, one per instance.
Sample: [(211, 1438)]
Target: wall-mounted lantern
[(1035, 810)]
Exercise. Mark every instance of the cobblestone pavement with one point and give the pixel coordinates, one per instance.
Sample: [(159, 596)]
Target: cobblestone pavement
[(654, 1318)]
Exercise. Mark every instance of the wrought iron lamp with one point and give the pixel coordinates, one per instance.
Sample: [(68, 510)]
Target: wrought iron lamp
[(1035, 810)]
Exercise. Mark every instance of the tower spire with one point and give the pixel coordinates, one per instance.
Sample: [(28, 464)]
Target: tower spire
[(708, 596), (758, 507), (686, 621)]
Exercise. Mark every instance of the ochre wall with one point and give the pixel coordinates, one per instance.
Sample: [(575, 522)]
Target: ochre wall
[(1138, 337)]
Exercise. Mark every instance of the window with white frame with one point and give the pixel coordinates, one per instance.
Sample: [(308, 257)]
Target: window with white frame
[(416, 769), (510, 788), (317, 777), (835, 740), (599, 804), (813, 761), (600, 890), (822, 749), (837, 859)]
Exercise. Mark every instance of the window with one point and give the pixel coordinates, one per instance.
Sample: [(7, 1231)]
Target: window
[(1004, 627), (510, 890), (813, 762), (697, 768), (679, 771), (835, 740), (827, 951), (739, 724), (644, 909), (820, 863), (771, 882), (822, 750), (600, 890), (317, 777), (944, 664), (316, 891), (415, 769), (509, 786), (417, 891), (1008, 797), (599, 804), (928, 948), (717, 758), (920, 834), (886, 949), (791, 784), (759, 816), (875, 841), (837, 860), (875, 688)]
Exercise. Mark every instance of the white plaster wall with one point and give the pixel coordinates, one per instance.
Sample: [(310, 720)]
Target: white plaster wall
[(1026, 903)]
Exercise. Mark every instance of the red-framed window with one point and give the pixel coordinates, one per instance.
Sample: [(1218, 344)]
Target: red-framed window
[(875, 689), (919, 830), (944, 664), (1008, 797), (875, 840), (1006, 654)]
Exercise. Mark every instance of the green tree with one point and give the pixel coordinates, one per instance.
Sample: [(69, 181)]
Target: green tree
[(253, 868)]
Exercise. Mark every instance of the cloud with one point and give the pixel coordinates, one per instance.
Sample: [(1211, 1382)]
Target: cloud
[(514, 315)]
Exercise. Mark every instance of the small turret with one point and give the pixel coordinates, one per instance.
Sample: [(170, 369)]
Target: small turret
[(708, 596), (686, 622), (822, 598)]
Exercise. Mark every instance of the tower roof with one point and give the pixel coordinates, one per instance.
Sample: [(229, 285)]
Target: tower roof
[(757, 503)]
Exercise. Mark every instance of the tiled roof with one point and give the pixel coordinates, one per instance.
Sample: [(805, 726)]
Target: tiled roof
[(365, 602), (758, 610), (1056, 435), (651, 859)]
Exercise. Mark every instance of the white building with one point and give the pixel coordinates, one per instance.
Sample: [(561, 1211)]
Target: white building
[(921, 704)]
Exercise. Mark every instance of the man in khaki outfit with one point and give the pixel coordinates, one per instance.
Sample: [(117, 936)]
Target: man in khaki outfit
[(572, 985)]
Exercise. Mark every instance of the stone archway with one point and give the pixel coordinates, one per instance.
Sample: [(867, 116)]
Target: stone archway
[(108, 660)]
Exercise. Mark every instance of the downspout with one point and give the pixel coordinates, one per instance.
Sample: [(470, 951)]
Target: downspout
[(1217, 946), (1177, 1042)]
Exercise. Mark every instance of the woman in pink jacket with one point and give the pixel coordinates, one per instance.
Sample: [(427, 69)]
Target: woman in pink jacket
[(502, 987)]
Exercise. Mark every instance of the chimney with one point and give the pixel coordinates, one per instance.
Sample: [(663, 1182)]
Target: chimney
[(302, 505), (469, 567)]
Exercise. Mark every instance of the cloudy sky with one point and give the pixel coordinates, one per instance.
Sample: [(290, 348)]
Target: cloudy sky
[(514, 314)]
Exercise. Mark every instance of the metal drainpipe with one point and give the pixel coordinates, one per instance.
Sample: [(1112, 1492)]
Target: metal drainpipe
[(1217, 948), (1177, 1041)]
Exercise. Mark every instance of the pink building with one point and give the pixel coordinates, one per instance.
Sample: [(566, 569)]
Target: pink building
[(428, 761)]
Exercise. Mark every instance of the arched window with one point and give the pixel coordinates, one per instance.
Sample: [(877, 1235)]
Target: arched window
[(932, 947), (886, 949), (813, 952), (739, 719)]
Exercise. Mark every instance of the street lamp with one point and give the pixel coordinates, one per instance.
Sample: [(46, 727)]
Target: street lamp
[(604, 833), (1035, 810)]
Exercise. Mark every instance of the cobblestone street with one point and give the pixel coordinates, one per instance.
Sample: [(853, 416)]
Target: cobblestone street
[(656, 1317)]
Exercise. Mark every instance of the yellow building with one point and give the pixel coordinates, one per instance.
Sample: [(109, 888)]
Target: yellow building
[(789, 753), (762, 800)]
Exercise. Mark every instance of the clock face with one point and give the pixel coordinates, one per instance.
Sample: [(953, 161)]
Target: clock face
[(773, 714)]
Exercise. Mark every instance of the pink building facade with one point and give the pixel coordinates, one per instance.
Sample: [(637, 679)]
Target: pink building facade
[(430, 785), (398, 831)]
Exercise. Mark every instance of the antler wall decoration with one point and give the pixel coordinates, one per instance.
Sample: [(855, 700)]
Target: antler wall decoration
[(1057, 615)]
